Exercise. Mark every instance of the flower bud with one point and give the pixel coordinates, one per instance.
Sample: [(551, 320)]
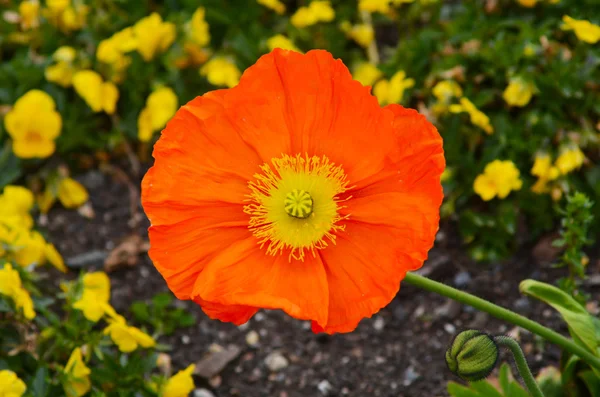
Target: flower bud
[(472, 355)]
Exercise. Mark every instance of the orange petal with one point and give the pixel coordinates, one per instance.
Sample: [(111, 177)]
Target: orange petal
[(364, 270), (236, 314), (244, 275), (323, 109), (180, 251)]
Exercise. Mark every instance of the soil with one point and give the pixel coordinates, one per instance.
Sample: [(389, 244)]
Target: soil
[(397, 353)]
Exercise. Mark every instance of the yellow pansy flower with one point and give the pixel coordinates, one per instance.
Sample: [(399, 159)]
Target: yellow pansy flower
[(112, 50), (362, 33), (98, 94), (498, 179), (163, 105), (392, 91), (11, 385), (198, 28), (446, 90), (144, 124), (584, 30), (545, 171), (62, 71), (29, 248), (95, 296), (527, 3), (366, 73), (569, 160), (274, 5), (29, 11), (179, 385), (518, 92), (317, 11), (281, 41), (66, 15), (477, 117), (11, 286), (15, 204), (77, 382), (125, 337), (382, 6), (153, 35), (33, 136), (54, 258), (221, 71), (71, 193)]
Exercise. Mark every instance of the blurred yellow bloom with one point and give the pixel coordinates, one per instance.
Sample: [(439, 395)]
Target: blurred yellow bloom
[(499, 178), (98, 94), (518, 92), (95, 296), (545, 171), (33, 136), (10, 285), (221, 71), (447, 174), (144, 123), (54, 257), (29, 11), (366, 73), (477, 117), (71, 193), (382, 6), (529, 50), (153, 35), (280, 41), (317, 11), (198, 28), (62, 71), (274, 5), (161, 105), (584, 30), (570, 160), (446, 90), (11, 385), (362, 33), (125, 337), (527, 3), (29, 248), (66, 15), (112, 50), (392, 91), (181, 384), (15, 204), (78, 375)]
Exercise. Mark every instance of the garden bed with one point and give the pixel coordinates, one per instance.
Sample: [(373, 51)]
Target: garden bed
[(398, 352)]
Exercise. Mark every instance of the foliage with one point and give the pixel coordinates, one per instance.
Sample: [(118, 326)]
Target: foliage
[(161, 315), (577, 218)]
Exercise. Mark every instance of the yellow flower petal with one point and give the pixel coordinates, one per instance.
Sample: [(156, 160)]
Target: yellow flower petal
[(11, 385), (180, 384), (71, 193)]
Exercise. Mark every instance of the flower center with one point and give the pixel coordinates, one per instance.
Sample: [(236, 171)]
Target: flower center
[(298, 204), (34, 137), (285, 216)]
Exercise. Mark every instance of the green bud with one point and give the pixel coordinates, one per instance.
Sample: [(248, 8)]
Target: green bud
[(472, 355)]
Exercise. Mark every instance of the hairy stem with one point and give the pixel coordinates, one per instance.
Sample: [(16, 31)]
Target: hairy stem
[(521, 362), (503, 314)]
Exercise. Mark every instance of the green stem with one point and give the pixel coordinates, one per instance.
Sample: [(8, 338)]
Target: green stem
[(503, 314), (521, 362)]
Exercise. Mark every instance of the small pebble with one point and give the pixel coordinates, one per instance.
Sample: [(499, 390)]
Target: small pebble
[(185, 339), (276, 361), (410, 375), (462, 279), (324, 387), (379, 323), (203, 393), (449, 328), (252, 338)]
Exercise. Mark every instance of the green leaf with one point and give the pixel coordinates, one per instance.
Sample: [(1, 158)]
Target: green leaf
[(162, 300), (10, 168), (580, 322), (39, 385), (592, 381), (486, 389), (457, 390), (505, 377), (140, 311)]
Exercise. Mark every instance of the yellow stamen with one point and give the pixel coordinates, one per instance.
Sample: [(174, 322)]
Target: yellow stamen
[(285, 216), (298, 204)]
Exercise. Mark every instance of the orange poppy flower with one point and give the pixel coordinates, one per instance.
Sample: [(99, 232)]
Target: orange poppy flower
[(293, 190)]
